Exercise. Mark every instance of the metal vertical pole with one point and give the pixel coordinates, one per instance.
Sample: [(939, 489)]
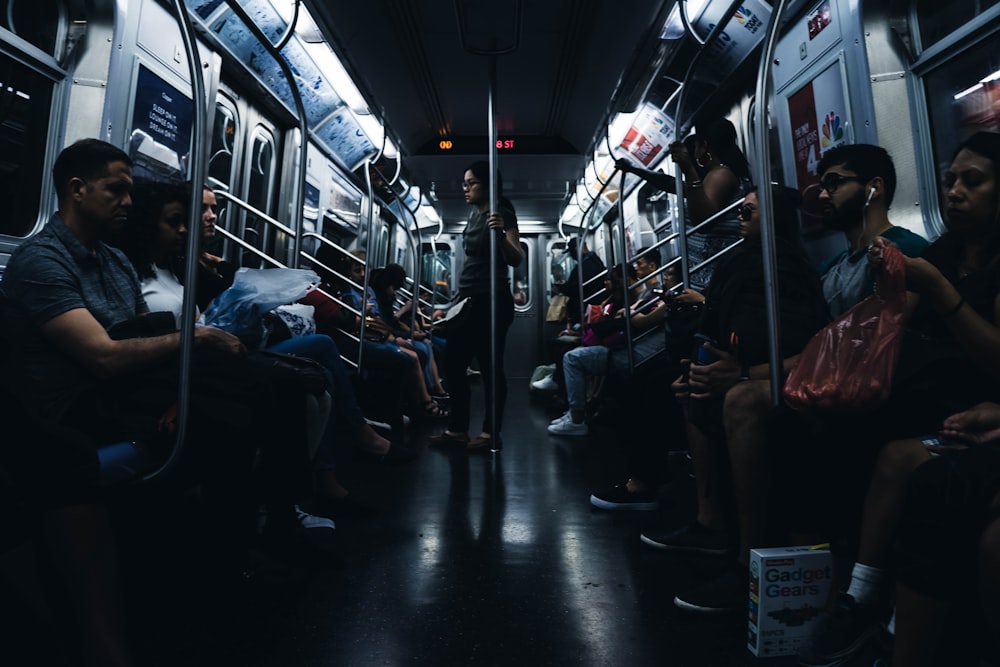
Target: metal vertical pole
[(494, 283), (680, 204), (624, 255), (368, 248), (199, 155), (762, 176)]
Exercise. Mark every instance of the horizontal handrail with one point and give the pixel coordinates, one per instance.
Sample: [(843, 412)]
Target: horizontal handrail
[(260, 214), (717, 255), (334, 272), (246, 246)]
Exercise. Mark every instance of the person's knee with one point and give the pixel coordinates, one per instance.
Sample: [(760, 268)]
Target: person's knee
[(899, 458), (747, 399)]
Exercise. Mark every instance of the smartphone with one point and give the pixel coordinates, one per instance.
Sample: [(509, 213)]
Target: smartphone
[(936, 443), (701, 355), (676, 289)]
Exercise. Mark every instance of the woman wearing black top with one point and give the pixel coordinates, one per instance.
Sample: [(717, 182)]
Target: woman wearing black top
[(471, 338)]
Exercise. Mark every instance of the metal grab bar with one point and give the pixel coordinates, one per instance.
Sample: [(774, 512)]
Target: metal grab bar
[(717, 255), (339, 275), (199, 154), (331, 244), (300, 110), (679, 203), (257, 212), (762, 172), (247, 246)]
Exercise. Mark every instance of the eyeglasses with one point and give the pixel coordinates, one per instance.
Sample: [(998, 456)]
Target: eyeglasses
[(745, 212), (833, 180), (468, 185)]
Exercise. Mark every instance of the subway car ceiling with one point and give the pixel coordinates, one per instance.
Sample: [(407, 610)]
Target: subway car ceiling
[(569, 67), (565, 64)]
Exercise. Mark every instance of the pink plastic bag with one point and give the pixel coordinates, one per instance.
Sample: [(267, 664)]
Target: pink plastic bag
[(849, 364)]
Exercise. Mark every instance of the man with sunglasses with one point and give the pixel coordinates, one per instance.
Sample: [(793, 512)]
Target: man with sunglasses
[(856, 186)]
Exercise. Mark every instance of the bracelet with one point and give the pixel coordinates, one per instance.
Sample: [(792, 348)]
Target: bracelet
[(957, 307)]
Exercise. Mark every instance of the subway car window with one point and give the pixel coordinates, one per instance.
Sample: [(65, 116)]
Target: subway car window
[(520, 281), (560, 264), (25, 100), (34, 22), (220, 163), (436, 271), (963, 96), (259, 187), (939, 19)]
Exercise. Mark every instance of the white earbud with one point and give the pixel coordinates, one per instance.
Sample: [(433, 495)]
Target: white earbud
[(871, 193)]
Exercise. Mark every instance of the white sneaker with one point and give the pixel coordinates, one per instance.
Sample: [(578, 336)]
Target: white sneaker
[(545, 384), (561, 418), (569, 427), (310, 521)]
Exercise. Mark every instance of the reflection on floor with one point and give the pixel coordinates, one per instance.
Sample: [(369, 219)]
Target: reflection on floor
[(464, 560)]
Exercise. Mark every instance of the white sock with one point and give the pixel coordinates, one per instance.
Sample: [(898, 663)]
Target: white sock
[(891, 627), (866, 583)]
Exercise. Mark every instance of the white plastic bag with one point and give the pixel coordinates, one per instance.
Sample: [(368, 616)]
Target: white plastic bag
[(240, 309)]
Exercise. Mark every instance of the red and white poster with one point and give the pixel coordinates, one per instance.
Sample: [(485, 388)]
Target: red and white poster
[(819, 120), (651, 132)]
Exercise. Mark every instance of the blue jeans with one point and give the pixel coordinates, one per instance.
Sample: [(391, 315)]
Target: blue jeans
[(599, 360)]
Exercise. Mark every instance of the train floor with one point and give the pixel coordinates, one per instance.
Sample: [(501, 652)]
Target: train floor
[(449, 559)]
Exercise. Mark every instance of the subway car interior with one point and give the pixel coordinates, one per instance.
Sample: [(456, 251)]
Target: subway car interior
[(365, 144)]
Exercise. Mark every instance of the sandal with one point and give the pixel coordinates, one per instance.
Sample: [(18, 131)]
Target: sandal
[(446, 438), (434, 411)]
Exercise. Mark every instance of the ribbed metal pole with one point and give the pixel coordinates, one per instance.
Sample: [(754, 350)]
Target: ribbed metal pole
[(199, 157), (494, 283), (368, 247), (624, 256), (762, 176), (300, 190)]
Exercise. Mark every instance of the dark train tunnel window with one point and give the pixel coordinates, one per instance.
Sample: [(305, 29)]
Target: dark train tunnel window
[(963, 97), (939, 19), (34, 22), (25, 101)]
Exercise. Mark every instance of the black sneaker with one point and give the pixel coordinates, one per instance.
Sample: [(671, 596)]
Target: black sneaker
[(620, 498), (840, 633), (694, 538), (730, 592)]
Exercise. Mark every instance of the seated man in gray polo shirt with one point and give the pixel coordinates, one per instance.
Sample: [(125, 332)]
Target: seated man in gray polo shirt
[(67, 294)]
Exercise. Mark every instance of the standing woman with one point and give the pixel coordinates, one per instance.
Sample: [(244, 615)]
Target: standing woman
[(471, 338)]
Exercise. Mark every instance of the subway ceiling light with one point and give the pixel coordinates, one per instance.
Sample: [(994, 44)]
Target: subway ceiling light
[(971, 89), (968, 91)]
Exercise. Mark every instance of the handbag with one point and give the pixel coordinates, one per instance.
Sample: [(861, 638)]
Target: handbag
[(848, 366), (557, 308)]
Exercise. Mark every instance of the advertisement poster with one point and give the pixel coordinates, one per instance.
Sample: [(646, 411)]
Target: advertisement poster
[(819, 121), (161, 127), (744, 31), (651, 132)]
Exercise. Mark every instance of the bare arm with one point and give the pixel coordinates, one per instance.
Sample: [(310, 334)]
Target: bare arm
[(509, 240), (977, 336), (82, 337)]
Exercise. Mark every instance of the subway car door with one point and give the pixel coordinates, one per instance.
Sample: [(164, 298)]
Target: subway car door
[(527, 283), (246, 145)]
